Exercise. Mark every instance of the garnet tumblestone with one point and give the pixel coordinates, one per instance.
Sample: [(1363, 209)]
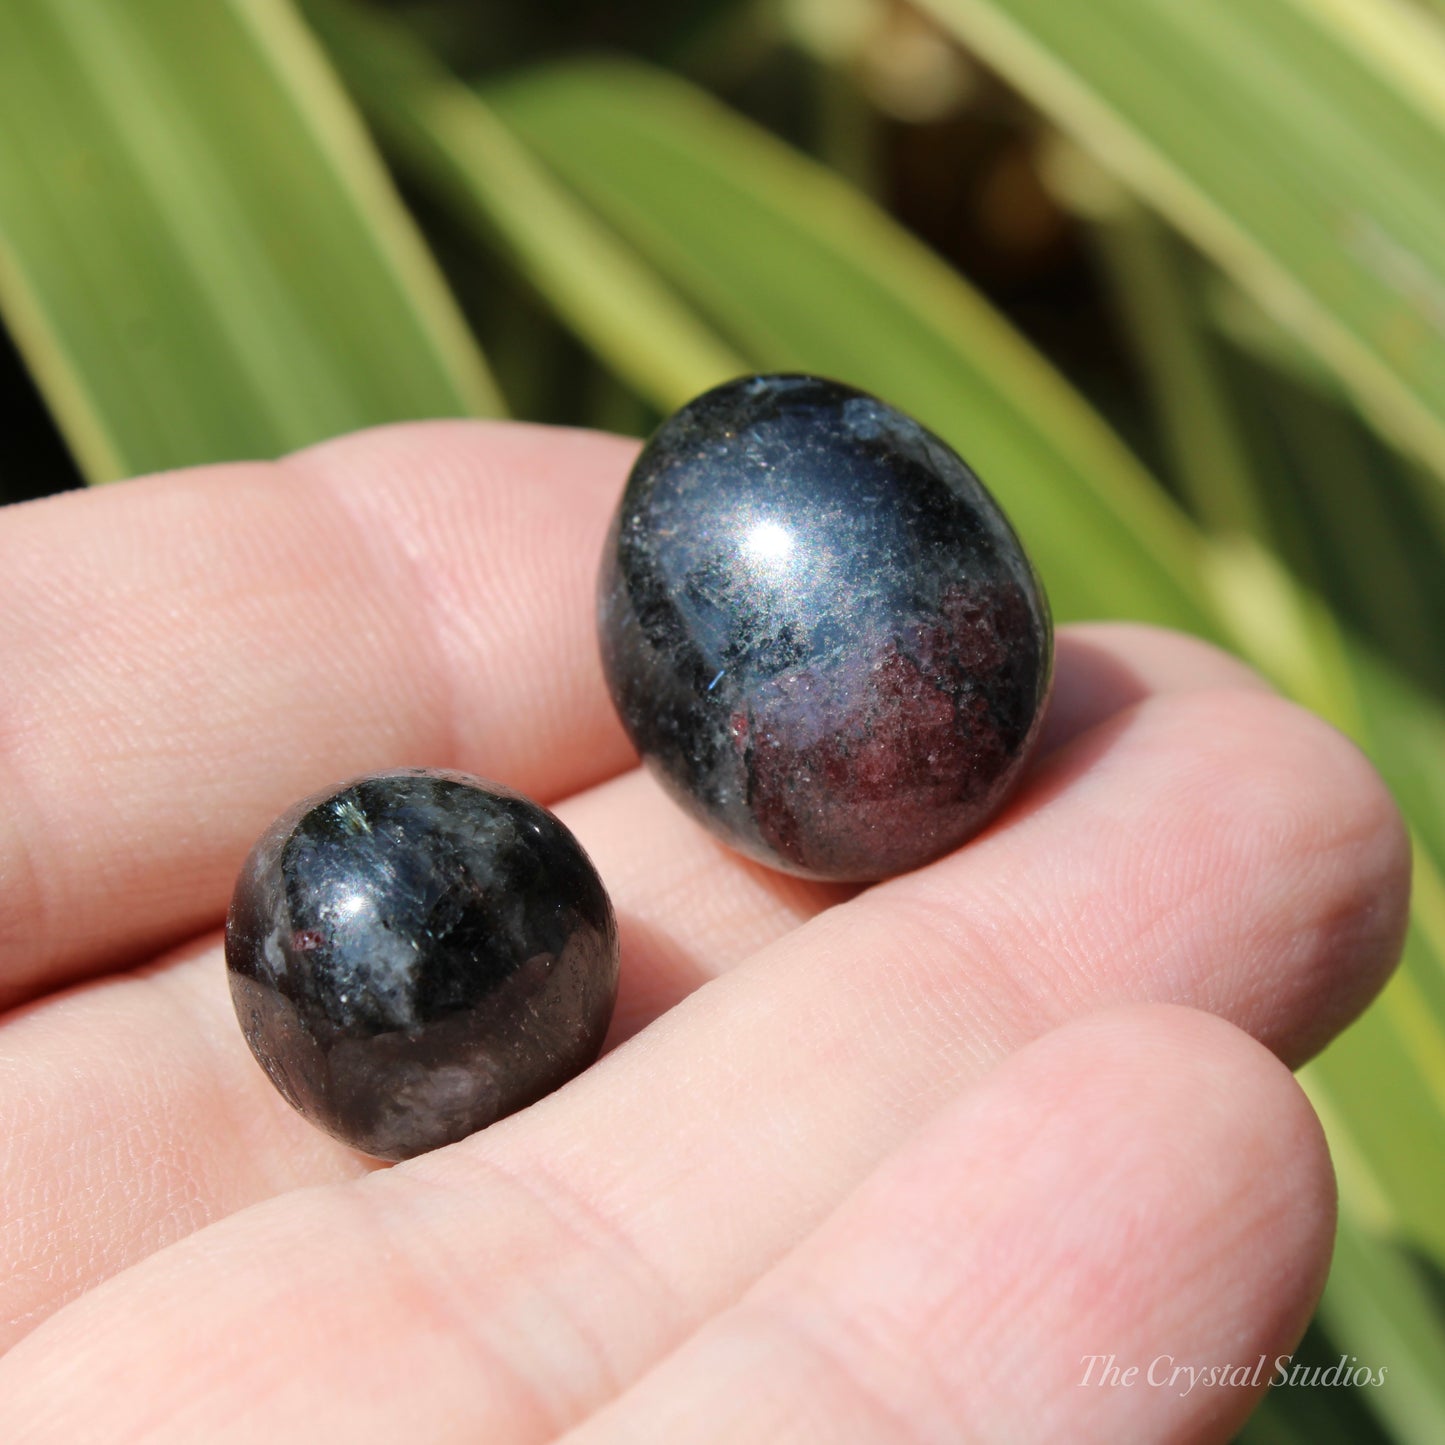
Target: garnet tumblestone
[(414, 954), (820, 630)]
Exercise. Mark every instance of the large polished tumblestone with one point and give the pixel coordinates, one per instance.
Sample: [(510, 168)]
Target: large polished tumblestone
[(414, 954), (820, 630)]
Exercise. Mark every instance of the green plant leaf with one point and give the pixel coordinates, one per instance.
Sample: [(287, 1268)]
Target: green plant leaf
[(441, 132), (1297, 141), (804, 274), (1149, 275), (200, 255)]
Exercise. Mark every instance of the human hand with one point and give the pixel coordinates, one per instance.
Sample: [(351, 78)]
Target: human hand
[(873, 1168)]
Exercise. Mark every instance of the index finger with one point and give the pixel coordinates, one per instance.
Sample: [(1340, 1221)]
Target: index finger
[(186, 654)]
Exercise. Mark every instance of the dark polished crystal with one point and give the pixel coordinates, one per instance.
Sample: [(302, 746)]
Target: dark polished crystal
[(415, 954), (820, 630)]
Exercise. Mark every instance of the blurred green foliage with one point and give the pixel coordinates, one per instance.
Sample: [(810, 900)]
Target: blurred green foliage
[(1172, 275)]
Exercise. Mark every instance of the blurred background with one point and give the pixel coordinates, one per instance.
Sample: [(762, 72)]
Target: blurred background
[(1170, 274)]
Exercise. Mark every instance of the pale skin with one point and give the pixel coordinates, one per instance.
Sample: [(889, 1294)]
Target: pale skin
[(877, 1168)]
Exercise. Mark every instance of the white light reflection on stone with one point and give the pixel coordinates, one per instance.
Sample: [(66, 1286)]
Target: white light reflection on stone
[(768, 543)]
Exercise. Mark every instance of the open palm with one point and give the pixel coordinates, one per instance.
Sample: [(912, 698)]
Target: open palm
[(872, 1166)]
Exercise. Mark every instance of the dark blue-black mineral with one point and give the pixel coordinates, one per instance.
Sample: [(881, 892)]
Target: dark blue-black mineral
[(820, 630), (415, 954)]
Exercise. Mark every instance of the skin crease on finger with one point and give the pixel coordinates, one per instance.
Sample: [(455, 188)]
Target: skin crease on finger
[(162, 1109), (498, 1330)]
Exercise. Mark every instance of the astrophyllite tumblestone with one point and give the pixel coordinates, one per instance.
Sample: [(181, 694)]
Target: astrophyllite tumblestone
[(415, 954), (820, 630)]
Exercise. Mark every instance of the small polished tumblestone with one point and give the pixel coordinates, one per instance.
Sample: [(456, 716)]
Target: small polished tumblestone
[(415, 954), (820, 630)]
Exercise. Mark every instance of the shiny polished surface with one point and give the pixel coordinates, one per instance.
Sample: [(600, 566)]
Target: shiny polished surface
[(413, 955), (820, 630)]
